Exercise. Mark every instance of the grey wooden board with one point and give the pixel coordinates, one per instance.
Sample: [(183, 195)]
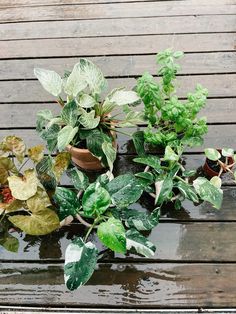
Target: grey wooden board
[(119, 27), (124, 45), (122, 285), (193, 63)]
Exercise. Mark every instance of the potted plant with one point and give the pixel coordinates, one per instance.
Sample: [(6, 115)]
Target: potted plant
[(167, 181), (171, 121), (86, 126), (219, 161)]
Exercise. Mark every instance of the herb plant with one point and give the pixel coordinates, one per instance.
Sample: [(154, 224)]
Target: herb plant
[(103, 207), (171, 121), (85, 121)]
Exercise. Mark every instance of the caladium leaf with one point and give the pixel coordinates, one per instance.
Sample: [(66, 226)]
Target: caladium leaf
[(9, 243), (50, 80), (76, 82), (112, 234), (78, 179), (88, 120), (41, 221), (150, 160), (86, 101), (212, 154), (96, 200), (6, 167), (22, 188), (110, 153), (15, 145), (61, 163), (141, 244), (187, 191), (208, 192), (65, 136), (123, 97), (35, 153), (69, 113), (80, 263), (141, 221), (124, 190), (227, 152), (68, 202)]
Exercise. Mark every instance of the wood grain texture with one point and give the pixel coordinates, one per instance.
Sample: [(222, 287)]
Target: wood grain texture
[(119, 27), (123, 285), (74, 47), (31, 91), (193, 63), (113, 10)]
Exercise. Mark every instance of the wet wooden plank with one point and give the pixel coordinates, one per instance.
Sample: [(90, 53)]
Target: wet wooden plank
[(222, 85), (113, 10), (122, 285), (218, 136), (118, 27), (193, 63), (65, 47)]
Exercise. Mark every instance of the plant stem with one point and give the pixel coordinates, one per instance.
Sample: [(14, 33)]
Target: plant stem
[(180, 179), (124, 133), (85, 223), (23, 164), (91, 228)]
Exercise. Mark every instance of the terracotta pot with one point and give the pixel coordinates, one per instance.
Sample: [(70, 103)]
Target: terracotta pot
[(212, 173)]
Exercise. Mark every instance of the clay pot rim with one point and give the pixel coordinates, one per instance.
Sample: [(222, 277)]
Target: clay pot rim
[(79, 150)]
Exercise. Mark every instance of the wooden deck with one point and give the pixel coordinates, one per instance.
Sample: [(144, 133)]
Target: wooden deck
[(195, 263)]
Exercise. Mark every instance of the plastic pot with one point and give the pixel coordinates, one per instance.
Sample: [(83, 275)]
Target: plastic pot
[(212, 173)]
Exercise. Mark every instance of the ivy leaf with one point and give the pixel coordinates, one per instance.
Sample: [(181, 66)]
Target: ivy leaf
[(138, 139), (212, 154), (124, 190), (69, 113), (187, 191), (41, 221), (112, 234), (141, 244), (208, 192), (65, 136), (61, 163), (141, 221), (22, 188), (88, 120), (35, 153), (95, 200), (86, 101), (122, 97), (80, 263), (150, 160), (15, 145), (110, 153), (68, 202), (78, 179), (75, 83), (50, 80)]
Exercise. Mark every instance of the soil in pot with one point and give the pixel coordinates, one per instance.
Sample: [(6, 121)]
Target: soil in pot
[(212, 168)]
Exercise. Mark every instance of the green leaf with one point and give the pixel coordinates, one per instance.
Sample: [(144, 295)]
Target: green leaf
[(216, 181), (45, 173), (78, 179), (122, 97), (50, 80), (212, 154), (138, 139), (208, 192), (110, 153), (227, 152), (150, 160), (22, 188), (93, 76), (141, 221), (132, 119), (9, 243), (50, 135), (80, 263), (124, 190), (68, 202), (76, 82), (141, 244), (164, 190), (88, 120), (43, 117), (86, 101), (187, 191), (69, 113), (95, 200), (41, 220), (189, 173), (65, 136), (170, 154), (112, 234)]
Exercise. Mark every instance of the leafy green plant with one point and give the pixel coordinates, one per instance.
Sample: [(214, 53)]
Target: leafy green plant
[(24, 201), (103, 207), (171, 182), (171, 121), (85, 121), (222, 161)]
